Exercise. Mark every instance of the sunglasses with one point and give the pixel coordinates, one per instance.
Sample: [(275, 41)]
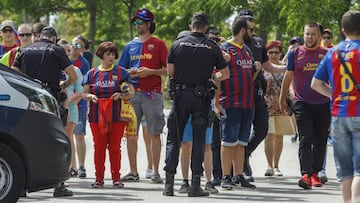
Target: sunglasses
[(7, 30), (273, 52), (215, 39), (138, 22), (326, 37), (76, 45), (25, 34)]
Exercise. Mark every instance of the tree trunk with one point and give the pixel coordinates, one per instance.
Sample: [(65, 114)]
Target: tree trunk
[(92, 18)]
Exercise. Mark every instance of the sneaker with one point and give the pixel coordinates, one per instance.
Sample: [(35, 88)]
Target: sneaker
[(305, 182), (269, 172), (294, 138), (156, 178), (73, 172), (315, 180), (130, 178), (211, 188), (216, 181), (240, 181), (98, 184), (117, 184), (227, 183), (185, 187), (277, 172), (330, 141), (323, 177), (82, 172), (249, 178), (148, 173), (62, 192)]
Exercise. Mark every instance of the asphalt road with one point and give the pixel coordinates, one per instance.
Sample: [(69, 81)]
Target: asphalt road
[(269, 189)]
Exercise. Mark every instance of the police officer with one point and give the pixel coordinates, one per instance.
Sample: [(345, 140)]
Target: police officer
[(261, 116), (190, 64), (44, 60)]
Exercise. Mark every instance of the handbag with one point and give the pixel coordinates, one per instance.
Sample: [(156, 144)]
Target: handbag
[(289, 102), (284, 126)]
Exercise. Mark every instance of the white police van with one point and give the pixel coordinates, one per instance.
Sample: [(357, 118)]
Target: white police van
[(34, 149)]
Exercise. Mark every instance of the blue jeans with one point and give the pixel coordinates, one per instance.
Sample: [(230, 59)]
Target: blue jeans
[(237, 126), (346, 136)]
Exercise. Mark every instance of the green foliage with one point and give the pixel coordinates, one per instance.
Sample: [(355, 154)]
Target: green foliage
[(278, 19)]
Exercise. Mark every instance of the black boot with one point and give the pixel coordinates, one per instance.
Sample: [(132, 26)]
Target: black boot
[(169, 185), (196, 190)]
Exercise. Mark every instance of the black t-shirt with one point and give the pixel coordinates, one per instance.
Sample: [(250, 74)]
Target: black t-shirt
[(257, 47), (194, 57), (43, 60)]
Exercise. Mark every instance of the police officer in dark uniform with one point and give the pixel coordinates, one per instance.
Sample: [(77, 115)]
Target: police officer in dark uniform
[(190, 64), (261, 116), (44, 60)]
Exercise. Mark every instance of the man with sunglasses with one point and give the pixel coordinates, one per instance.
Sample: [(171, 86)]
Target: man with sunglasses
[(7, 29), (261, 116), (24, 32), (145, 59)]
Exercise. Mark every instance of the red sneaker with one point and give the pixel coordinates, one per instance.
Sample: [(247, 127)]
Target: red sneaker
[(305, 182), (315, 180)]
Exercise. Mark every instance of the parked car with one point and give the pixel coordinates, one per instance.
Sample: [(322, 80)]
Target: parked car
[(34, 149)]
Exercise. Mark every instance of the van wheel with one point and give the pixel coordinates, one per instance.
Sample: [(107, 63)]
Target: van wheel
[(12, 175)]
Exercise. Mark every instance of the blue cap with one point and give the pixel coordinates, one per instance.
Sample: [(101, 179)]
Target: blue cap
[(144, 14), (295, 39)]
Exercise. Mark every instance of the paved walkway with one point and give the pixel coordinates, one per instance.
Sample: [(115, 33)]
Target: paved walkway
[(269, 189)]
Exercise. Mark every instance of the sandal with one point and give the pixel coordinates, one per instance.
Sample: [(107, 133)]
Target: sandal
[(98, 184), (118, 184)]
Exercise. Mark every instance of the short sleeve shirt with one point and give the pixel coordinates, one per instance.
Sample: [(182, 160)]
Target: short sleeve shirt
[(43, 60), (345, 98), (104, 84), (151, 54), (194, 57), (304, 63)]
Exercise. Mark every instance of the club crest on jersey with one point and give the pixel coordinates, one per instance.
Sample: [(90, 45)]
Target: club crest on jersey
[(321, 56), (150, 47), (115, 77)]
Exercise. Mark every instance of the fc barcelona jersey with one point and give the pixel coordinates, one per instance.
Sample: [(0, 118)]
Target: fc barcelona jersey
[(104, 84), (345, 97), (304, 63), (151, 54), (238, 90)]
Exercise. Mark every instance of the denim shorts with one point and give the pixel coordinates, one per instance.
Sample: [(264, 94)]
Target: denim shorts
[(345, 132), (73, 113), (237, 126), (80, 128), (188, 133)]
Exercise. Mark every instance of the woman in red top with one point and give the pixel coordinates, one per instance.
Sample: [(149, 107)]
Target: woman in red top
[(102, 89)]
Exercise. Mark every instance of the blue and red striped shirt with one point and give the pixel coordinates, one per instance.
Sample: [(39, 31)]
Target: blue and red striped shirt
[(304, 63), (238, 90), (104, 84), (345, 97)]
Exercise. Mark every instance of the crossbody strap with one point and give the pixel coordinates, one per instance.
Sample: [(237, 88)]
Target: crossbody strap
[(357, 85)]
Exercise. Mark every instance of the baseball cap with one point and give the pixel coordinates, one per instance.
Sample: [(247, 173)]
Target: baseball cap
[(201, 18), (144, 14), (247, 13), (295, 39), (7, 23), (328, 31)]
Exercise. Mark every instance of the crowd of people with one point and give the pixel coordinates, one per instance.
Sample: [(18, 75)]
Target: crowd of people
[(228, 95)]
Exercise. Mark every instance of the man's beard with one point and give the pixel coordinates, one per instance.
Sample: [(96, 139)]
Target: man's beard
[(246, 38)]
